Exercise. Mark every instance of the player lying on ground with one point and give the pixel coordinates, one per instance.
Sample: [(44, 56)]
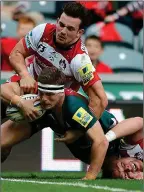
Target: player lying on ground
[(124, 158), (59, 46), (69, 112)]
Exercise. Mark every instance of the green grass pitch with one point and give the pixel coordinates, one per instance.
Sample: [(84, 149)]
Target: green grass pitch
[(64, 182)]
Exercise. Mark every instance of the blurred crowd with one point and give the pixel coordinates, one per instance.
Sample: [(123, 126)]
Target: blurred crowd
[(113, 37)]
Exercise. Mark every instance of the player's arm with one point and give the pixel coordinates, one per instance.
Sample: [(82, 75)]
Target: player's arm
[(85, 73), (98, 150), (24, 48), (10, 93), (17, 59), (81, 118), (129, 128), (97, 98)]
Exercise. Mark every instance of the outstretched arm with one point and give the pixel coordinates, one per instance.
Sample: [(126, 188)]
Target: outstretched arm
[(127, 127), (98, 151)]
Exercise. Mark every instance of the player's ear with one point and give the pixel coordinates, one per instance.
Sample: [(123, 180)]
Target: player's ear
[(80, 33)]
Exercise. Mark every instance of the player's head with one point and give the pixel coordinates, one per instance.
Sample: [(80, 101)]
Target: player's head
[(94, 47), (125, 168), (51, 87), (25, 24), (70, 24)]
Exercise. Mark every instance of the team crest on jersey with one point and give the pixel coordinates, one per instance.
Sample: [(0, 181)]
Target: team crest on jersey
[(82, 117), (86, 73), (62, 64)]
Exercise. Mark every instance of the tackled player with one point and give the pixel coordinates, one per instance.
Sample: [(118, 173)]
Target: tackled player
[(68, 115)]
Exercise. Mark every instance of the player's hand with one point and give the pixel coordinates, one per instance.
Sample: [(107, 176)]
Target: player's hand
[(28, 109), (28, 84), (70, 136), (89, 176)]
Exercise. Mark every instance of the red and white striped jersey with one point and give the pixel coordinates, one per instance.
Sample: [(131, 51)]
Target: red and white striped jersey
[(132, 150), (74, 61)]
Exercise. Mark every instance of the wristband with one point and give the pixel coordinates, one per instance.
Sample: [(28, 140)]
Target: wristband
[(110, 135)]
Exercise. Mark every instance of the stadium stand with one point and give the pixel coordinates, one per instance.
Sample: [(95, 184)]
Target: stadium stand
[(8, 28), (43, 7), (112, 33), (140, 40), (122, 59)]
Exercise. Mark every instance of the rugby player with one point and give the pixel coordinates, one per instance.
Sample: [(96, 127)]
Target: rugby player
[(59, 46), (68, 111)]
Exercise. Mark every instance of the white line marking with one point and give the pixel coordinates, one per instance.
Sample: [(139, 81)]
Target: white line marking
[(78, 184)]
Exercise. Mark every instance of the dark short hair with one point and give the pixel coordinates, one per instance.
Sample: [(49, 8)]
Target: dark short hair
[(77, 10), (107, 171), (52, 75), (94, 37)]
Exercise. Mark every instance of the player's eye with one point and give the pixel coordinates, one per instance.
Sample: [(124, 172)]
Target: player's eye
[(71, 29), (61, 24)]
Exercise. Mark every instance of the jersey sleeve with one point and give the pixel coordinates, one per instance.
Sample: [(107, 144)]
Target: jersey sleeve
[(107, 121), (77, 114), (31, 40), (83, 70)]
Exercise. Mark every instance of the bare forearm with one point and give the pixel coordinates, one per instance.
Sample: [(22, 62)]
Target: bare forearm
[(96, 107), (8, 92), (97, 157), (17, 61), (128, 127), (97, 98)]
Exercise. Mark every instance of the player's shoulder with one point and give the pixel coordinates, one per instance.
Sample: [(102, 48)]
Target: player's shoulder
[(42, 28), (69, 93), (73, 101), (79, 48), (50, 26)]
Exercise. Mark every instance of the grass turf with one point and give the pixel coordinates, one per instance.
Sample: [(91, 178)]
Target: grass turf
[(53, 183)]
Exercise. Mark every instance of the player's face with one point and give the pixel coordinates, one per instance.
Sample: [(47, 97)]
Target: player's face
[(127, 168), (94, 49), (67, 30), (49, 100)]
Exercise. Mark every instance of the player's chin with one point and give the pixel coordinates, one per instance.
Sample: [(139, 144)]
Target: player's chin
[(61, 41)]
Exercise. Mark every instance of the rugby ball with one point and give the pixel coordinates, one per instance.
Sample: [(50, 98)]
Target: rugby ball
[(15, 114)]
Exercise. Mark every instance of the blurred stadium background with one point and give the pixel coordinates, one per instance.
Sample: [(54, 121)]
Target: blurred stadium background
[(123, 48)]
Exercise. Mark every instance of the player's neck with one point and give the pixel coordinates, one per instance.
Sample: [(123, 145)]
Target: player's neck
[(58, 107)]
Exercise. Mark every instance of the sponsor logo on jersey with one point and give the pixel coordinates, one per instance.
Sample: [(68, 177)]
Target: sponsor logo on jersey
[(82, 117), (86, 73), (27, 40)]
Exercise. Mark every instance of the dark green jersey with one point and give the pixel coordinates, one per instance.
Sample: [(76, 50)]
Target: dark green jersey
[(77, 115)]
